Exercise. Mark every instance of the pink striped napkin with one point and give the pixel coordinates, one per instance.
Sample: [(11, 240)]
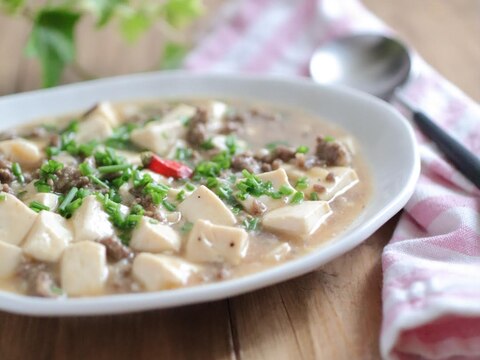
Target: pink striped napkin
[(431, 290)]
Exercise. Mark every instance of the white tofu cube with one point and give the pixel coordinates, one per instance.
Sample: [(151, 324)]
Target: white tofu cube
[(278, 253), (215, 243), (328, 182), (26, 153), (48, 237), (151, 236), (278, 178), (158, 137), (83, 269), (10, 258), (16, 219), (95, 128), (47, 199), (159, 272), (179, 114), (203, 204), (301, 220), (90, 222)]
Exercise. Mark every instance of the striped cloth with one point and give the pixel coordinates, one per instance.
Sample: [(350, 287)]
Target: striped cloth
[(431, 290)]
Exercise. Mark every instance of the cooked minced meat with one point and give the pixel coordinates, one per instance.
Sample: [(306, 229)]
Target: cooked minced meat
[(115, 249), (39, 280), (246, 162), (70, 177), (6, 174), (333, 152), (197, 128)]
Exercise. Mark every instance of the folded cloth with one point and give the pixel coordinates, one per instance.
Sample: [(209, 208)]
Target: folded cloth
[(431, 290)]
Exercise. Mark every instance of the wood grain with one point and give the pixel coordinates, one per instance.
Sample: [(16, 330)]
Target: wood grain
[(332, 313)]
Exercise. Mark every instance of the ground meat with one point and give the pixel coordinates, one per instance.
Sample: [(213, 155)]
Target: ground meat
[(6, 189), (247, 162), (283, 153), (120, 277), (233, 123), (115, 249), (197, 128), (319, 188), (330, 177), (258, 208), (70, 177), (6, 174), (334, 153), (306, 162), (39, 280), (55, 140), (151, 210)]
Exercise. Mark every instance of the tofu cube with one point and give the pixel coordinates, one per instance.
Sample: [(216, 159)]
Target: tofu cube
[(278, 178), (203, 204), (161, 135), (158, 137), (48, 237), (10, 258), (151, 236), (47, 199), (215, 243), (278, 253), (83, 269), (328, 182), (16, 219), (301, 219), (26, 153), (159, 272), (90, 222)]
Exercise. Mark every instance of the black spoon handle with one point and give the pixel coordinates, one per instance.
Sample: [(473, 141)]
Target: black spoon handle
[(464, 160)]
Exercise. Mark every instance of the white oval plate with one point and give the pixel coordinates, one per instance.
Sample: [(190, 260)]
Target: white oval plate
[(386, 139)]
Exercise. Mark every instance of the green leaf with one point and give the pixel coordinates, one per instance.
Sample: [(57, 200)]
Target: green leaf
[(52, 42), (135, 25), (103, 9), (173, 55), (11, 6), (178, 13)]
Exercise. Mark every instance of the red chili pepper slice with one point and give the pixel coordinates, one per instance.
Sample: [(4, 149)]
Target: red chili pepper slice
[(169, 168)]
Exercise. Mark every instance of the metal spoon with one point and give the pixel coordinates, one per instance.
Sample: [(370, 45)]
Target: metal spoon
[(380, 66)]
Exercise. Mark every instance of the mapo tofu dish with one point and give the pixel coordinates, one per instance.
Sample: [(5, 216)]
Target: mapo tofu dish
[(156, 195)]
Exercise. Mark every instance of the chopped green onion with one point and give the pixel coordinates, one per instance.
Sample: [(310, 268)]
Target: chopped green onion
[(113, 168), (314, 196), (97, 181), (190, 186), (168, 205), (231, 144), (68, 199), (42, 186), (183, 154), (86, 169), (302, 183), (302, 149), (3, 197), (207, 145), (52, 151), (17, 171), (285, 190), (181, 195), (251, 224), (37, 207), (297, 198), (328, 138)]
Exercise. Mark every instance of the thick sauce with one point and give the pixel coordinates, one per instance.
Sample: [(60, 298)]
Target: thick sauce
[(258, 129)]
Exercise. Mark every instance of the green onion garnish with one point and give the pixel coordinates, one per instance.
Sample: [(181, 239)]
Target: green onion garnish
[(97, 181), (17, 171), (285, 190), (68, 199), (181, 195), (297, 198), (314, 196), (328, 138), (302, 149), (302, 183), (251, 224), (113, 168), (168, 205), (3, 197), (37, 207)]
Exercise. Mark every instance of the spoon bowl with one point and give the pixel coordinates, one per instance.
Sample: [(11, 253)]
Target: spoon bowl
[(369, 62)]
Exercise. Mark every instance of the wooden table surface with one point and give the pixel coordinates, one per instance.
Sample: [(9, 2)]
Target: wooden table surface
[(332, 313)]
